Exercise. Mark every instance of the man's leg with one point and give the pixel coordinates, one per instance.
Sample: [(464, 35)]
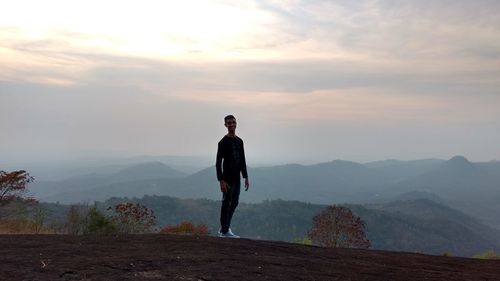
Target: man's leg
[(229, 203), (235, 196), (224, 209)]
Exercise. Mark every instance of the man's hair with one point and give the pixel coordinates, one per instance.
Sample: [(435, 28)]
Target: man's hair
[(228, 117)]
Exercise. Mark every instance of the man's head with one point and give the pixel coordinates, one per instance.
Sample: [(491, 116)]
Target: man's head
[(230, 123)]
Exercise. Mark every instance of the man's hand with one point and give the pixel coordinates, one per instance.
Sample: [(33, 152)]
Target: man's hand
[(246, 184), (224, 186)]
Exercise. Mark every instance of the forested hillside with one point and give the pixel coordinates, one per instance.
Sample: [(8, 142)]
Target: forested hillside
[(413, 225)]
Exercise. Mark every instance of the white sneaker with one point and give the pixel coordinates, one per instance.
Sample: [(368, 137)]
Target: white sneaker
[(228, 234), (234, 235)]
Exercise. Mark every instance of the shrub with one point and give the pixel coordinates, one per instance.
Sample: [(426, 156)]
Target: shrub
[(24, 218), (337, 226), (490, 254), (133, 218), (38, 218), (76, 219), (22, 226), (98, 223), (302, 240), (186, 227)]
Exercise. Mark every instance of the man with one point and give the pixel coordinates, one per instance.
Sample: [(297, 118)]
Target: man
[(230, 148)]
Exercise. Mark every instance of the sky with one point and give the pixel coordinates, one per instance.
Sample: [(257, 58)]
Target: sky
[(308, 81)]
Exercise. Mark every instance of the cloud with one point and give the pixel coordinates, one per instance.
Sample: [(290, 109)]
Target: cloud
[(150, 71), (277, 45)]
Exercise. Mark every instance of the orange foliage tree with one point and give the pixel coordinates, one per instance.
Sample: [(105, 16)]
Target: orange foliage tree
[(186, 227), (13, 186), (13, 192), (337, 226)]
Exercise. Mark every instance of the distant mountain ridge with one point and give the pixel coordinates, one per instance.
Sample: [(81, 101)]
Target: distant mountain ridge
[(85, 183), (471, 187), (145, 171)]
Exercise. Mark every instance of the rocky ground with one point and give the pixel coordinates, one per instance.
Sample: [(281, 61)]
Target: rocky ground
[(178, 257)]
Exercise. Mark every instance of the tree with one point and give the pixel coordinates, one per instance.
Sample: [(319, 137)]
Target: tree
[(13, 186), (76, 219), (133, 218), (13, 190), (98, 223), (337, 226), (39, 217)]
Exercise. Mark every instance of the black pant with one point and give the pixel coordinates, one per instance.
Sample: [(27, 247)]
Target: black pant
[(230, 200)]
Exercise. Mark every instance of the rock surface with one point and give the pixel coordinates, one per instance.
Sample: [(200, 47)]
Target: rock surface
[(180, 257)]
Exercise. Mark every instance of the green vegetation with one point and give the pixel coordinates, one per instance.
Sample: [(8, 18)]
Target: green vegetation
[(490, 254), (302, 240), (414, 226), (98, 223), (76, 219), (398, 226), (19, 212)]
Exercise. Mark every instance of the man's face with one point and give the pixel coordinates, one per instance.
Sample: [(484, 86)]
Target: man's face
[(230, 124)]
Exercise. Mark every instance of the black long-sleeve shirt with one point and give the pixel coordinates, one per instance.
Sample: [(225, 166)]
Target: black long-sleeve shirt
[(232, 151)]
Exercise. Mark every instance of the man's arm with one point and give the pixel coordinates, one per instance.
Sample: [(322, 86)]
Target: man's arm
[(218, 167), (244, 167), (218, 162), (243, 162)]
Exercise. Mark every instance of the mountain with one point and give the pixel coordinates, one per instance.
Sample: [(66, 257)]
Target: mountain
[(440, 221), (454, 178), (145, 171), (66, 169), (342, 180), (457, 182), (467, 186), (88, 183), (397, 170), (411, 195)]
